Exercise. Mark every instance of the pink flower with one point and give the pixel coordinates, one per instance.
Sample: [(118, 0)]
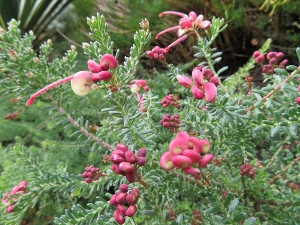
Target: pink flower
[(184, 81), (166, 161), (188, 23), (131, 210)]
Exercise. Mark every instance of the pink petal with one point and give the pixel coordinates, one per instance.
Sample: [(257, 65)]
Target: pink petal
[(197, 93), (182, 134), (205, 160), (177, 146), (195, 144), (108, 61), (198, 77), (181, 161), (210, 92), (195, 172), (192, 155)]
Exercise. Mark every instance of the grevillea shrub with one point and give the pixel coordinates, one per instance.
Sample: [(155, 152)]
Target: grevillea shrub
[(183, 148)]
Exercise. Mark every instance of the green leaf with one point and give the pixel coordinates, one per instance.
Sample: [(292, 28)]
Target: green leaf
[(240, 216), (281, 71), (149, 213), (212, 210), (291, 67), (274, 131), (233, 205), (250, 221), (179, 219), (298, 53), (294, 129), (227, 199)]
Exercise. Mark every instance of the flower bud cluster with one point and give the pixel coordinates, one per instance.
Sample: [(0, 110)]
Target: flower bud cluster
[(157, 53), (197, 217), (258, 57), (100, 71), (187, 153), (247, 170), (170, 122), (125, 162), (125, 203), (91, 174), (203, 85), (9, 196), (293, 186), (170, 100), (274, 62)]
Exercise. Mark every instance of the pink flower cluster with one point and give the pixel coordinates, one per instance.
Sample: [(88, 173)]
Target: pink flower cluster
[(170, 100), (91, 174), (274, 61), (171, 122), (125, 162), (81, 81), (247, 170), (101, 71), (258, 57), (9, 196), (203, 85), (157, 53), (187, 24), (184, 153), (124, 202)]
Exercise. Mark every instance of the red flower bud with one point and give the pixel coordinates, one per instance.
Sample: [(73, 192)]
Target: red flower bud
[(130, 157), (131, 210), (119, 218), (123, 188), (126, 167), (121, 198), (141, 161)]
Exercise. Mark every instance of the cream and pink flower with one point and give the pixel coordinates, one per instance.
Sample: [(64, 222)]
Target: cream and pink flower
[(81, 81)]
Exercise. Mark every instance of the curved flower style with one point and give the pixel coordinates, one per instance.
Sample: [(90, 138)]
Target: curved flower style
[(81, 80), (188, 23)]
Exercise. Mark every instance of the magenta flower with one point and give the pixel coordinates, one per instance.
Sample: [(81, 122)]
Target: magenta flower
[(166, 161)]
